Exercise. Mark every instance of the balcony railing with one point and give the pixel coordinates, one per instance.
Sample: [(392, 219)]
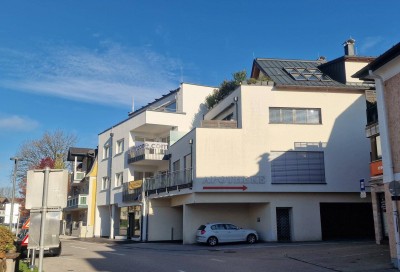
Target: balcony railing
[(218, 124), (169, 181), (79, 201), (147, 151), (132, 191)]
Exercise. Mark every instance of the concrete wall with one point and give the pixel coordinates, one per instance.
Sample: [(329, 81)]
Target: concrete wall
[(164, 221)]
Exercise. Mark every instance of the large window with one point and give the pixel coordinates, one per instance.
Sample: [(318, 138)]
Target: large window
[(298, 167), (294, 116)]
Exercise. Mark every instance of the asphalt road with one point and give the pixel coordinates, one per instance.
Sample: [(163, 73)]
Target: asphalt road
[(105, 255)]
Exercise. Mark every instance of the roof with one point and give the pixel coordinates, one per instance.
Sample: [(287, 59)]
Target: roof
[(275, 69), (379, 61), (3, 200), (80, 153), (142, 109)]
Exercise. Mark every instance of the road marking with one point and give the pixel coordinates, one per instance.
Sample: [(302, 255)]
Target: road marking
[(78, 247), (218, 260), (119, 254)]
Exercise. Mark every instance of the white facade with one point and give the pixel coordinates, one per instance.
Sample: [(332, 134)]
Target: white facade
[(157, 125), (226, 158)]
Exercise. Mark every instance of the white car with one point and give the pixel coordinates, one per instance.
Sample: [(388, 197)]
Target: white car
[(214, 233)]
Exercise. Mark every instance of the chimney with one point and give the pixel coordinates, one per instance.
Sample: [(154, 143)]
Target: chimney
[(349, 47)]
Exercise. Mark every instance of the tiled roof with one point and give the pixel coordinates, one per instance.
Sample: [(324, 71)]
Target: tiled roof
[(276, 70)]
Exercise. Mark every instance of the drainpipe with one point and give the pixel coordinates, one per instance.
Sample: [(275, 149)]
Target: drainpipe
[(388, 175), (109, 188)]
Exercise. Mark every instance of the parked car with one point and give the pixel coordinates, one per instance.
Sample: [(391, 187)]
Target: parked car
[(214, 233), (22, 244)]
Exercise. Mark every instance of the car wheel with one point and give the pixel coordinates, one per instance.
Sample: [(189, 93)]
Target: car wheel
[(212, 241), (55, 252), (251, 239)]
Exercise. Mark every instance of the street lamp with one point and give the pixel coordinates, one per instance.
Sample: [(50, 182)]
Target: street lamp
[(15, 159), (236, 99)]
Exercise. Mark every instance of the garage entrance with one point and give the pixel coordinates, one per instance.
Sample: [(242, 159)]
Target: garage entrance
[(346, 221)]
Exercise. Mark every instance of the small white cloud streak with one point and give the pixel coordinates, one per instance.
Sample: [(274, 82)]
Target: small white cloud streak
[(369, 43), (110, 74), (17, 123)]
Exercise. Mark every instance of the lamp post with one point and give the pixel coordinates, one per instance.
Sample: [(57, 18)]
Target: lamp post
[(236, 99), (15, 159)]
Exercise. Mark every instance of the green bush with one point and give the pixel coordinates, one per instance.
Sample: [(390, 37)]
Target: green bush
[(24, 267), (6, 241)]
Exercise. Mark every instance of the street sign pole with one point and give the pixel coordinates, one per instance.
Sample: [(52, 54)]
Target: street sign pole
[(43, 218)]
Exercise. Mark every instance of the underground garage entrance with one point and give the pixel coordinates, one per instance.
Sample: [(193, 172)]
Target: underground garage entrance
[(346, 221)]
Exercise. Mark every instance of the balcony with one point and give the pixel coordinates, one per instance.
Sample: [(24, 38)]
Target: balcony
[(376, 168), (148, 153), (219, 124), (169, 182), (78, 176), (132, 191), (155, 121), (77, 202)]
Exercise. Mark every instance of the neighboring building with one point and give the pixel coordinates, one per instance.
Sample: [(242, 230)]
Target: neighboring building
[(385, 144), (283, 157), (80, 211), (3, 202), (135, 149)]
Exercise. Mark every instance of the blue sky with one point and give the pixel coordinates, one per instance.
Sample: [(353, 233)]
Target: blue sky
[(75, 65)]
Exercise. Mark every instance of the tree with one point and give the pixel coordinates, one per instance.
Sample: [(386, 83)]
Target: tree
[(51, 150), (6, 192), (226, 87)]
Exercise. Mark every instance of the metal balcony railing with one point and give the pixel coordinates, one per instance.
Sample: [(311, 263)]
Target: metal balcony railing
[(129, 194), (147, 151), (79, 201), (169, 181)]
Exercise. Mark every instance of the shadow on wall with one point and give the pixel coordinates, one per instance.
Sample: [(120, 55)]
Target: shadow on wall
[(199, 116)]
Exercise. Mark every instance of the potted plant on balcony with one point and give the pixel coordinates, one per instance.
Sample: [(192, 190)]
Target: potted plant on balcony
[(7, 250)]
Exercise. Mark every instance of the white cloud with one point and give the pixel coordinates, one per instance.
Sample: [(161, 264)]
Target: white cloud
[(109, 74), (369, 43), (17, 123)]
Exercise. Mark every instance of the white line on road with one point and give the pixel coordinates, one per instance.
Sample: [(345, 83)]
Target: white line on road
[(78, 247), (119, 254), (218, 260)]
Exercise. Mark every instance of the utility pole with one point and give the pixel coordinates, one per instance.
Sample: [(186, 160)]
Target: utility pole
[(15, 159)]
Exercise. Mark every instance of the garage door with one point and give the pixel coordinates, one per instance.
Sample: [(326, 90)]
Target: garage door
[(346, 221)]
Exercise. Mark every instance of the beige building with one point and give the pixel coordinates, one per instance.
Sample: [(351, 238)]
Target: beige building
[(385, 70), (282, 156), (135, 149)]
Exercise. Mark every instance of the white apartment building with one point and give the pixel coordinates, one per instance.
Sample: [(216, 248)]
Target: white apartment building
[(135, 149), (284, 157)]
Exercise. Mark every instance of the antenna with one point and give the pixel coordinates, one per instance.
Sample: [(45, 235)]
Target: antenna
[(133, 104), (181, 74)]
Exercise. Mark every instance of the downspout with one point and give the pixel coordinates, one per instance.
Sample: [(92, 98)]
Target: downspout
[(109, 188), (388, 175)]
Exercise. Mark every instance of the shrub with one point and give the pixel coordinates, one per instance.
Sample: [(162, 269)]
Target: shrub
[(6, 241)]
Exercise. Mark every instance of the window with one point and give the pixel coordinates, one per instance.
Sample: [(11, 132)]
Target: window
[(228, 117), (119, 148), (119, 179), (294, 116), (176, 166), (106, 152), (171, 107), (298, 167), (104, 183), (306, 74)]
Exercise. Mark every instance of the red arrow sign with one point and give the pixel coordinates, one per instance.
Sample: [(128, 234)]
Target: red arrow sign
[(243, 187)]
